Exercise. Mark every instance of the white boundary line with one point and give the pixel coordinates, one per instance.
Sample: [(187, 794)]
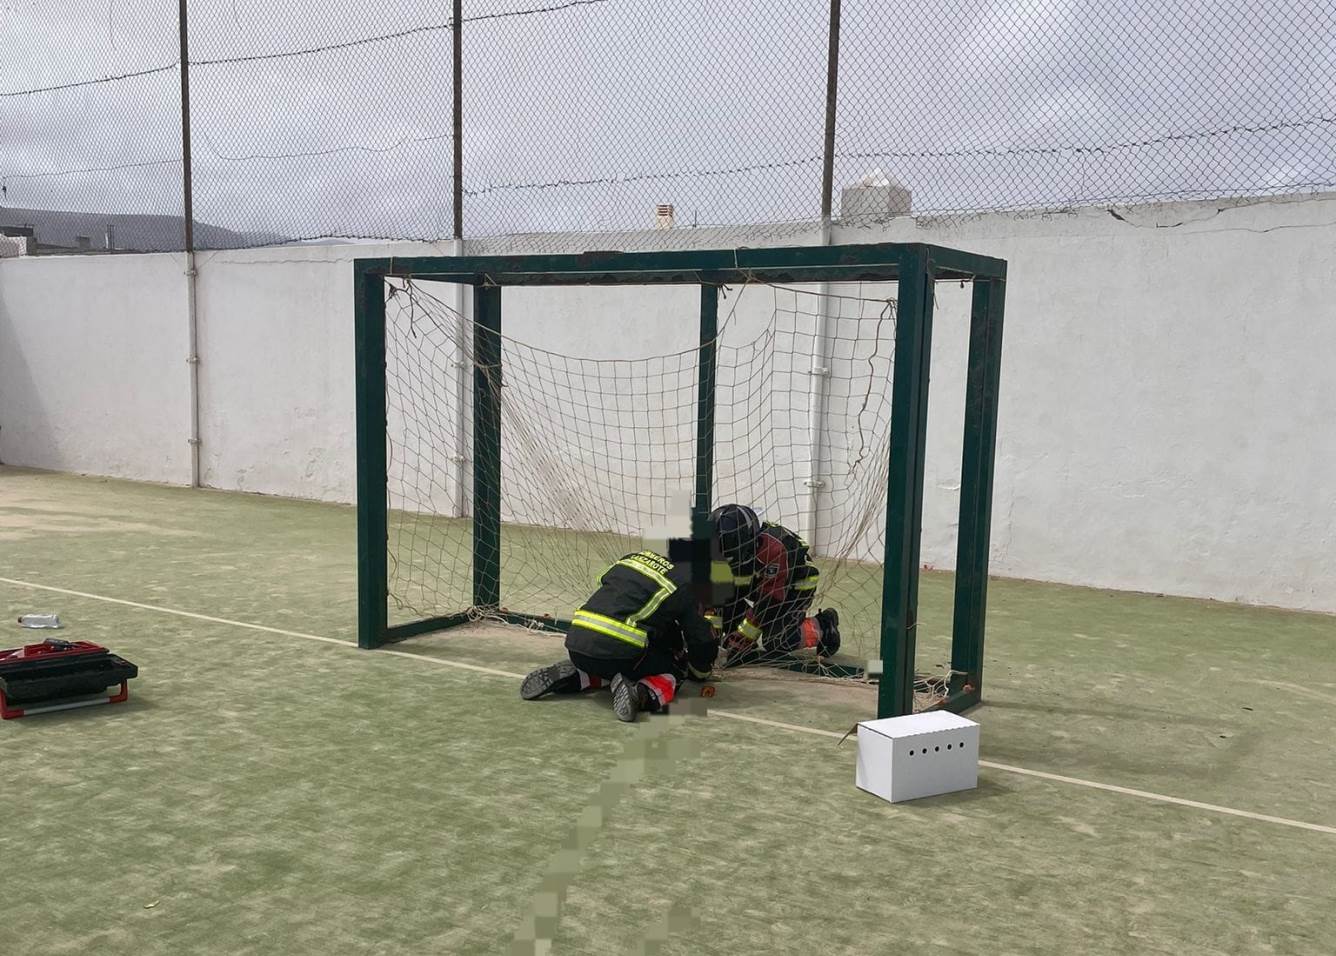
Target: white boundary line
[(714, 711), (1159, 797)]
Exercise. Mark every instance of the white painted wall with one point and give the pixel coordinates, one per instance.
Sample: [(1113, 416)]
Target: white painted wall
[(276, 372), (276, 364), (93, 374), (1166, 419)]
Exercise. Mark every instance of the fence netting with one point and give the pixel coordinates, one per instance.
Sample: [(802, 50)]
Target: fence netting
[(642, 121)]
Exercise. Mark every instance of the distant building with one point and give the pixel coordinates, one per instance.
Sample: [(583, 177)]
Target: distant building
[(47, 231), (16, 241)]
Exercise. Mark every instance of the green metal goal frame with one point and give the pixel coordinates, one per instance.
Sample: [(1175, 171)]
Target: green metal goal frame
[(914, 266)]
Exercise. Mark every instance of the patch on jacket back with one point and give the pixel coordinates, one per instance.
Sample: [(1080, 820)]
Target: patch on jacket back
[(651, 560)]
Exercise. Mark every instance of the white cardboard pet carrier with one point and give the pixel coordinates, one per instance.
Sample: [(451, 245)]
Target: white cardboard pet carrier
[(919, 755)]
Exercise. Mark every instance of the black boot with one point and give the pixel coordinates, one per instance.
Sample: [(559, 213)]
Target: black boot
[(560, 678), (629, 698), (829, 643)]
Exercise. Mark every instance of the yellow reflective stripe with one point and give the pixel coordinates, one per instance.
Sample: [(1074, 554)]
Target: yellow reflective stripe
[(611, 627), (643, 568), (651, 606), (640, 563), (715, 621), (749, 630), (742, 580), (810, 582)]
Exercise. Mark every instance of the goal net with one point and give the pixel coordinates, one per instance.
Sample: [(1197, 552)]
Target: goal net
[(601, 427)]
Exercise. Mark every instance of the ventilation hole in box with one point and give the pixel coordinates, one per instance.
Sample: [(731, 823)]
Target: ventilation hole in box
[(936, 748), (911, 753), (948, 746)]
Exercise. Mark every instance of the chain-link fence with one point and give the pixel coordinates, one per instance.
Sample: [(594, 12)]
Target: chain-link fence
[(324, 120)]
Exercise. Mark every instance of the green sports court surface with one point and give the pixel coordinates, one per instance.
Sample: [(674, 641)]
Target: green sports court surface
[(1159, 775)]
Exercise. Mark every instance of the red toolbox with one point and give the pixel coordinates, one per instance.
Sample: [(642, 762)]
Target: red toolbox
[(61, 675)]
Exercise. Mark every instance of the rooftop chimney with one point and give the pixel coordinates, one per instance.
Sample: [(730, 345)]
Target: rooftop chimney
[(874, 198)]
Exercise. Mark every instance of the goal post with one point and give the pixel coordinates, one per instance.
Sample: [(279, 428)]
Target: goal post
[(450, 557)]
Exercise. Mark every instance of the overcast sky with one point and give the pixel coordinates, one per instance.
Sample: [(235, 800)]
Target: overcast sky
[(716, 107)]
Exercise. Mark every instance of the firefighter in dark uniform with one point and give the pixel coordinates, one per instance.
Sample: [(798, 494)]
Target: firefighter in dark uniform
[(641, 633), (767, 617)]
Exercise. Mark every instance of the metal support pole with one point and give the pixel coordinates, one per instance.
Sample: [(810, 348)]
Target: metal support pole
[(188, 214), (705, 394), (820, 371), (904, 493), (818, 375), (462, 365), (707, 363), (832, 96), (976, 487), (372, 480), (487, 446), (457, 32)]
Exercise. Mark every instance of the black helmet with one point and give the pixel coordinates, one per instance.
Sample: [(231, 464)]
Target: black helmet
[(736, 528)]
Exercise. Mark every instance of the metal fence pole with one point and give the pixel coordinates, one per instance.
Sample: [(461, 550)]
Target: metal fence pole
[(820, 370), (188, 214), (457, 30), (462, 363), (832, 96)]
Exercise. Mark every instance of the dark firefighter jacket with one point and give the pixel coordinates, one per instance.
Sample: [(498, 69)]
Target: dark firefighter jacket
[(644, 602)]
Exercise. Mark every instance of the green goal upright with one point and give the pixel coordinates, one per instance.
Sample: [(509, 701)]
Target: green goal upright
[(524, 421)]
